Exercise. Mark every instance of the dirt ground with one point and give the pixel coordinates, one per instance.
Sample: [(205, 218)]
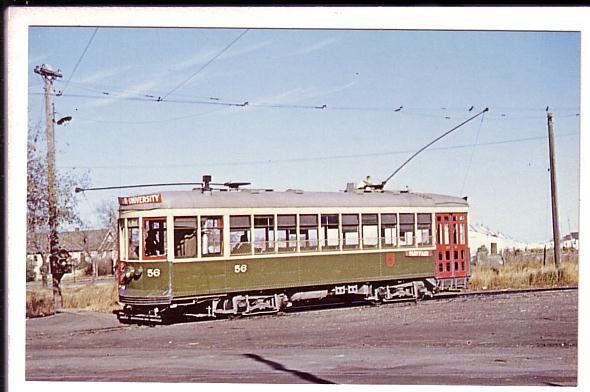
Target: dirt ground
[(517, 339)]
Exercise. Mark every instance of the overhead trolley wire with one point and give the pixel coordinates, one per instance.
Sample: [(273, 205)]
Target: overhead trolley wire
[(471, 156), (206, 64), (80, 60), (429, 144), (218, 102)]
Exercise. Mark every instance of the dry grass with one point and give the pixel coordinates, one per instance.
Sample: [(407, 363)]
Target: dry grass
[(525, 274), (93, 297)]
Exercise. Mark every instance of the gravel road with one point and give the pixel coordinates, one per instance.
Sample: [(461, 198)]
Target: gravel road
[(507, 339)]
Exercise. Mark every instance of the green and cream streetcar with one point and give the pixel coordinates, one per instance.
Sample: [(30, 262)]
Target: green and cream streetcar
[(234, 251)]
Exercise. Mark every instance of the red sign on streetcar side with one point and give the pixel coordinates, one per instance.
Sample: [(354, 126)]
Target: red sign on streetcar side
[(390, 259)]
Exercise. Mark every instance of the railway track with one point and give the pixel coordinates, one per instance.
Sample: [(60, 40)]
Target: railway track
[(438, 296), (350, 302)]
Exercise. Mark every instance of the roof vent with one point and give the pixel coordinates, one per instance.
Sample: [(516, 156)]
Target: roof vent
[(350, 187), (297, 191)]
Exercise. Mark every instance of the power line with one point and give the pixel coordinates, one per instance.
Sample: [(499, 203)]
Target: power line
[(433, 112), (324, 158), (206, 64), (215, 102), (80, 59), (154, 121)]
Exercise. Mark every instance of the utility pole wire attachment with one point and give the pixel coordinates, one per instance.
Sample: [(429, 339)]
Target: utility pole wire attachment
[(380, 186)]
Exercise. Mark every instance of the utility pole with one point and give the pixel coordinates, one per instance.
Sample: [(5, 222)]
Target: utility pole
[(49, 76), (556, 236)]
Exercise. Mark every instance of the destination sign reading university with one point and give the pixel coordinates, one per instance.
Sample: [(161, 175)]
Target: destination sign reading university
[(142, 199)]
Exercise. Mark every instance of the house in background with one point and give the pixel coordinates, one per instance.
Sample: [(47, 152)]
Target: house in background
[(96, 248), (494, 241), (570, 241)]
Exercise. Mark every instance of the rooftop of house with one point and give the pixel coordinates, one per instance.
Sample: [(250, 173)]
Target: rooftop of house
[(77, 240)]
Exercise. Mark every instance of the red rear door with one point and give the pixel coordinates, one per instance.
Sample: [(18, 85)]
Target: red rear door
[(452, 252)]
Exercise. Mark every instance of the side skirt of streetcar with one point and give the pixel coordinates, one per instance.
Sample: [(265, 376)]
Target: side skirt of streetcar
[(167, 310)]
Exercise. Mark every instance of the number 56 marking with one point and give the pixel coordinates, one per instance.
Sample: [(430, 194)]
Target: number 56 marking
[(240, 268), (153, 273)]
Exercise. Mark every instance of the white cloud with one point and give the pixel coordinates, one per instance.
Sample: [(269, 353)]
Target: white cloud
[(198, 58), (247, 49), (206, 55), (314, 47), (104, 74), (132, 91)]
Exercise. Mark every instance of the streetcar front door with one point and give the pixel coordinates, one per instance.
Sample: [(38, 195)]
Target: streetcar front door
[(452, 252)]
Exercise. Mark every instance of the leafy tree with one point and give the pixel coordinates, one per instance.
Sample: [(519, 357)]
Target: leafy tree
[(38, 196)]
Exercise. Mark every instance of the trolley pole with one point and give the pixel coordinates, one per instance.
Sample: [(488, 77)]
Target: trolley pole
[(49, 76), (556, 236)]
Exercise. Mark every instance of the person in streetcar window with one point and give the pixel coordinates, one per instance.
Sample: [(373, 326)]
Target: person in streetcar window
[(151, 244)]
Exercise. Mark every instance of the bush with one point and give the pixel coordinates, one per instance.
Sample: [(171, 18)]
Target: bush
[(40, 303)]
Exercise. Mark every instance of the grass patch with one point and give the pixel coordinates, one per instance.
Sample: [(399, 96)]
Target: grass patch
[(523, 274), (93, 297), (88, 296)]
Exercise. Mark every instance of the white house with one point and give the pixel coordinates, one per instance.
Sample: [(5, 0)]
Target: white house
[(97, 245)]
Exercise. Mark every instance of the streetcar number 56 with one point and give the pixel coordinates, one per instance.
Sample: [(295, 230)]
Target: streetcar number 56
[(153, 272), (238, 268)]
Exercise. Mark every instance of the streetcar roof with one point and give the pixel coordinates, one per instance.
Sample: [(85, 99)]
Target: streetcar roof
[(285, 199)]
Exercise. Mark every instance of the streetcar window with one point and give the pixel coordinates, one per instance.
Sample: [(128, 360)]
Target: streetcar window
[(133, 238), (456, 266), (448, 267), (154, 237), (370, 230), (461, 233), (122, 239), (308, 232), (350, 230), (406, 229), (455, 233), (440, 267), (286, 233), (463, 265), (424, 233), (446, 234), (239, 235), (389, 230), (330, 231), (185, 237), (211, 236), (264, 234)]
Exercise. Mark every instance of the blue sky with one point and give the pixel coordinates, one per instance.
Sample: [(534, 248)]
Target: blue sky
[(282, 139)]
